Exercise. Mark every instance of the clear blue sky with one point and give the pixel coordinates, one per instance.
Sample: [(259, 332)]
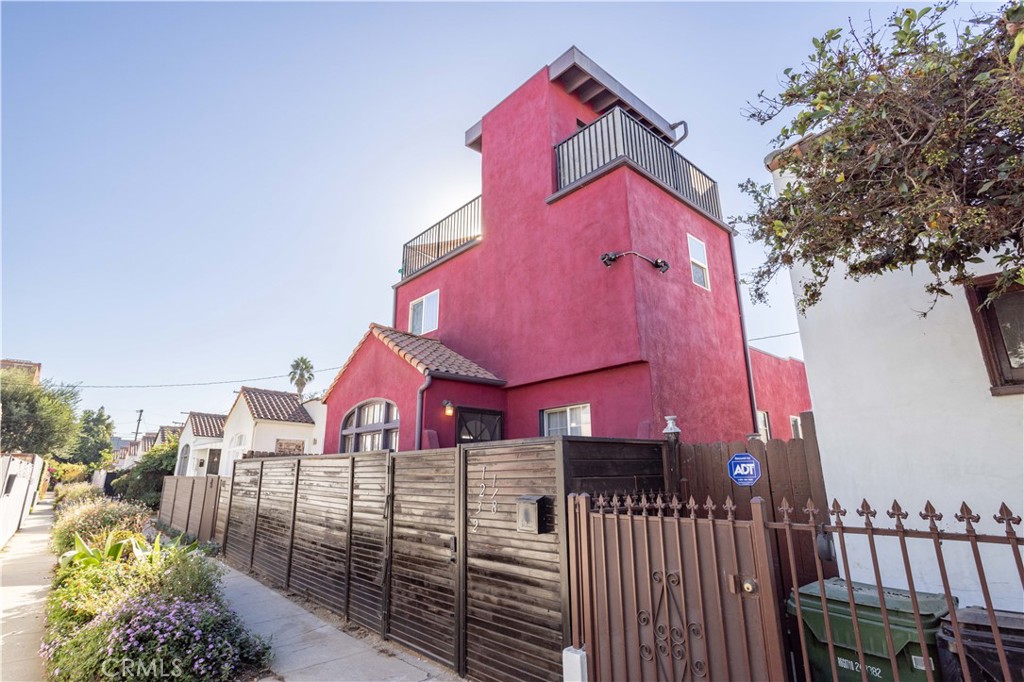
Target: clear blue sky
[(198, 192)]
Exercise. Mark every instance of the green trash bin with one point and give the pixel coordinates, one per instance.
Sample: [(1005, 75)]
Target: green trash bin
[(905, 639)]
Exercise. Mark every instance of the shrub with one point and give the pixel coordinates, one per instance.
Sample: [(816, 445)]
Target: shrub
[(67, 472), (81, 593), (94, 518), (69, 493), (180, 638), (145, 481)]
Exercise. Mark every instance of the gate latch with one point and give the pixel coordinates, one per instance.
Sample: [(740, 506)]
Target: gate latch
[(740, 585)]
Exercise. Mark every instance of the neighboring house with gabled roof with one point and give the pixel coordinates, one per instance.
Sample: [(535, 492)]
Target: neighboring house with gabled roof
[(591, 290), (166, 433), (200, 444), (262, 420)]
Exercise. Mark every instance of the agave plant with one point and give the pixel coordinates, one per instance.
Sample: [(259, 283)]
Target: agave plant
[(154, 554), (85, 555)]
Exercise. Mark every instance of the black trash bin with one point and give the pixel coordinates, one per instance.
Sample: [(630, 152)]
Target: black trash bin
[(980, 645)]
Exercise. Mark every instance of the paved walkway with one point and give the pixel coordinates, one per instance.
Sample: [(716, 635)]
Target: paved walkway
[(26, 565), (308, 648)]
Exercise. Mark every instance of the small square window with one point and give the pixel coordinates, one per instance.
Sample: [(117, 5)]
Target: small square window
[(698, 262), (423, 313), (573, 420), (795, 426), (1000, 327)]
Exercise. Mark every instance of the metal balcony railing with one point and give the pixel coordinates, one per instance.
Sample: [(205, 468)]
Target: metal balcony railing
[(617, 135), (447, 235)]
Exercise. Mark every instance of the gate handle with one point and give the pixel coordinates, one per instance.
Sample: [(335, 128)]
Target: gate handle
[(453, 545)]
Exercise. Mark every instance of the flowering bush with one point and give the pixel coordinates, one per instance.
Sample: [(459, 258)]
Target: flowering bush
[(70, 493), (93, 518), (196, 639)]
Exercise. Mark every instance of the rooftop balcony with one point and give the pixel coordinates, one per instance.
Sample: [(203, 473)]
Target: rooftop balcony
[(617, 138), (444, 237)]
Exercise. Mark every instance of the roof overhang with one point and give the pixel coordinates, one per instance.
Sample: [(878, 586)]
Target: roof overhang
[(581, 76)]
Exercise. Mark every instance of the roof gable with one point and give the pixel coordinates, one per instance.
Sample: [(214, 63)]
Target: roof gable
[(426, 355), (279, 406)]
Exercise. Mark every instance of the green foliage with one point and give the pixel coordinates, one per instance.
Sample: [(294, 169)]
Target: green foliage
[(94, 518), (144, 481), (905, 147), (301, 374), (88, 556), (71, 493), (39, 419), (64, 472), (82, 592), (95, 429)]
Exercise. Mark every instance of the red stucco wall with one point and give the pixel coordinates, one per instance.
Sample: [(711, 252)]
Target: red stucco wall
[(374, 372), (780, 389)]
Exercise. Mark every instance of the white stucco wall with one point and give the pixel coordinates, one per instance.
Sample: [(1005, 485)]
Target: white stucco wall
[(904, 412), (267, 433), (239, 422), (199, 449)]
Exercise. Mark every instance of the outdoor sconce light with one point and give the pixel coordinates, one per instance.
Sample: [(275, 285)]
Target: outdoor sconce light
[(449, 409), (610, 257), (533, 514)]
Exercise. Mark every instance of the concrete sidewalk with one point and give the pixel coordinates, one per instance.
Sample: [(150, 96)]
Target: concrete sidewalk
[(309, 648), (26, 566)]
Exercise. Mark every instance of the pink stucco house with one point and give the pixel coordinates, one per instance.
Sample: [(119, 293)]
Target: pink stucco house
[(590, 290)]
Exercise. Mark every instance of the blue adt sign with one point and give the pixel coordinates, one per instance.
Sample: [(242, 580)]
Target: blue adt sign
[(744, 469)]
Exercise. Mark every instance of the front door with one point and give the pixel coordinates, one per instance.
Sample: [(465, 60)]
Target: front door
[(213, 465)]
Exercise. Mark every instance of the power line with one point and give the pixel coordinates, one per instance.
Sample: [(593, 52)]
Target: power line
[(773, 336), (198, 383)]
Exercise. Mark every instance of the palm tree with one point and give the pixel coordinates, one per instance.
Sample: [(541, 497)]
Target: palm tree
[(301, 374)]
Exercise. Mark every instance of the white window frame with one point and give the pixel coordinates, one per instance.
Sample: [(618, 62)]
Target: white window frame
[(796, 426), (585, 428), (764, 426), (702, 264), (426, 322)]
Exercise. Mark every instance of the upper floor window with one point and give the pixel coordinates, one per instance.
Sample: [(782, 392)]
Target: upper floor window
[(1000, 327), (698, 262), (796, 427), (370, 426), (764, 428), (423, 314), (572, 420)]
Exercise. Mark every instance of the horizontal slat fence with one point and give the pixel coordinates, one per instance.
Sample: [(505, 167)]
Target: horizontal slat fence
[(423, 547), (191, 505)]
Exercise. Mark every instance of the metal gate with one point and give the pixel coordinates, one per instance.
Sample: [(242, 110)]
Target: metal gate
[(664, 591)]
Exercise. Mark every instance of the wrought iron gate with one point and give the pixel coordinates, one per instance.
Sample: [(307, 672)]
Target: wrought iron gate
[(664, 591)]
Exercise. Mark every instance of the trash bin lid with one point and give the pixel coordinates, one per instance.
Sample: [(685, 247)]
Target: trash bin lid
[(1010, 623), (898, 604)]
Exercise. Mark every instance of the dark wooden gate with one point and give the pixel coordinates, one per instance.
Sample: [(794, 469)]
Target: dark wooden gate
[(667, 592), (424, 556)]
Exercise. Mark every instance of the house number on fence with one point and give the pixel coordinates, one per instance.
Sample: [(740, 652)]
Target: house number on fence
[(483, 498)]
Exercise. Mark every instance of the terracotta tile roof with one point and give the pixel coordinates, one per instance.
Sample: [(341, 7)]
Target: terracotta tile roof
[(425, 354), (278, 406), (164, 433), (206, 425)]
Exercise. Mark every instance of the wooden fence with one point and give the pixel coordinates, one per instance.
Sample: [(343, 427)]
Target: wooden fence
[(423, 547), (190, 504)]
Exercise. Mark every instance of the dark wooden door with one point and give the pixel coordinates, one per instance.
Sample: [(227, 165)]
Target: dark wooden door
[(213, 466)]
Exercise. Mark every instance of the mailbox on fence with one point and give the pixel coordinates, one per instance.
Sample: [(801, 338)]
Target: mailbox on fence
[(533, 514)]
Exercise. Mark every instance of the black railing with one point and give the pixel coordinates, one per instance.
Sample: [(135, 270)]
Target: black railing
[(437, 241), (617, 135)]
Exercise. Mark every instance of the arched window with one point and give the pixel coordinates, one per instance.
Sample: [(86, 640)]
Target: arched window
[(183, 461), (370, 426)]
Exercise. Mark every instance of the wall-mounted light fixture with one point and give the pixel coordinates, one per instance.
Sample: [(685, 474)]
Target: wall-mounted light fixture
[(612, 256), (449, 409)]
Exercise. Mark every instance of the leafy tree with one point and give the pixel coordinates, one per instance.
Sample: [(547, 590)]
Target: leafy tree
[(94, 434), (37, 418), (301, 374), (144, 481), (905, 147)]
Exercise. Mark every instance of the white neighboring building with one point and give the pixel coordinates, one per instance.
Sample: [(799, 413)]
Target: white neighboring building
[(200, 444), (921, 409), (262, 420)]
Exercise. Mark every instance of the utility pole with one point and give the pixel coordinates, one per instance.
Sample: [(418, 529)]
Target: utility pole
[(137, 425)]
